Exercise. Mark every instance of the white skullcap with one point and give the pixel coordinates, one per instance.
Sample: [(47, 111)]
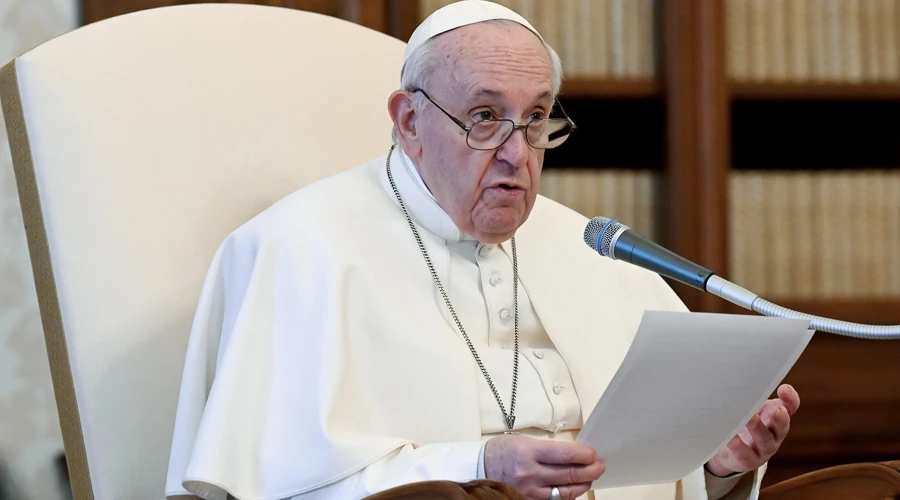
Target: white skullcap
[(460, 14)]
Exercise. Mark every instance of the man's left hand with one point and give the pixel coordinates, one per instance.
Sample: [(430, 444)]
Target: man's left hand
[(760, 439)]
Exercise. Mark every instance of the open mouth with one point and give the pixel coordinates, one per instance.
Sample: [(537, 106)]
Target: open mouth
[(508, 190)]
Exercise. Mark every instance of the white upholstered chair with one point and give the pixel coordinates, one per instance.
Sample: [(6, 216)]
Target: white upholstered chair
[(139, 143)]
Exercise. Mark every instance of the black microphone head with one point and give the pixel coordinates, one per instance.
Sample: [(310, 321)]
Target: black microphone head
[(599, 232)]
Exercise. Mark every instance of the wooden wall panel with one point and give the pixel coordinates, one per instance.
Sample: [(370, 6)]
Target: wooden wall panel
[(850, 406), (849, 391)]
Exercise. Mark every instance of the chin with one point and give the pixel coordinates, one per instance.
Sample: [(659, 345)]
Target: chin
[(496, 234), (493, 238), (497, 226)]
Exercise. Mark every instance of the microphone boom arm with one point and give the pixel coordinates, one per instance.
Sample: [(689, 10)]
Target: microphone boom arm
[(735, 294), (615, 240)]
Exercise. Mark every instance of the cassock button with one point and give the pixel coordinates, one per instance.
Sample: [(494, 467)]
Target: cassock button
[(557, 388), (483, 251), (495, 279), (559, 427), (504, 315), (539, 354)]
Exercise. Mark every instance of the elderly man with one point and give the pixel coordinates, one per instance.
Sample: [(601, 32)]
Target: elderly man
[(427, 315)]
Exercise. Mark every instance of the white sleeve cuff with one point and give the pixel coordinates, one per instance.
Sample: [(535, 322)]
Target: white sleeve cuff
[(480, 474)]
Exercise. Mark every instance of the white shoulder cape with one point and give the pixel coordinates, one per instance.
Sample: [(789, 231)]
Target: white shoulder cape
[(315, 312)]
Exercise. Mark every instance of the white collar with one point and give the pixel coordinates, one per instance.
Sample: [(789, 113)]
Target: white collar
[(415, 173), (422, 206)]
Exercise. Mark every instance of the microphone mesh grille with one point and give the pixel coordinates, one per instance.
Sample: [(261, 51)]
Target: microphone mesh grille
[(592, 231), (592, 234), (601, 242)]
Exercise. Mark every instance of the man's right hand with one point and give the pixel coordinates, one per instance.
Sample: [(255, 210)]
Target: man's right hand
[(534, 466)]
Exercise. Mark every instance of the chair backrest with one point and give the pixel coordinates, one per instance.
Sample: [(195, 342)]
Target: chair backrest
[(862, 481), (139, 143)]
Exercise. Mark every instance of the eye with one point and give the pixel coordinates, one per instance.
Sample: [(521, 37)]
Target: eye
[(483, 115), (537, 115)]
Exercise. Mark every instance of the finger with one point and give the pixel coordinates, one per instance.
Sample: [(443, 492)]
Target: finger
[(566, 475), (742, 452), (573, 491), (746, 435), (567, 492), (556, 453), (764, 439), (767, 413), (770, 405), (779, 422), (790, 397)]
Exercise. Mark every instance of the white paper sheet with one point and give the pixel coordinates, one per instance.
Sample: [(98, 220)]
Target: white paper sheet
[(688, 383)]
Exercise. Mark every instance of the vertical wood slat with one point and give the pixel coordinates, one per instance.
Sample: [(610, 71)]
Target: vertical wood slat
[(697, 137), (327, 7), (369, 13), (714, 136), (403, 18), (680, 226)]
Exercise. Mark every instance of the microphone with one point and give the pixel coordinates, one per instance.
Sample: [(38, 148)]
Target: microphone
[(610, 238), (617, 241)]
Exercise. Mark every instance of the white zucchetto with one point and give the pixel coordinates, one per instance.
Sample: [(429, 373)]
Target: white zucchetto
[(460, 14)]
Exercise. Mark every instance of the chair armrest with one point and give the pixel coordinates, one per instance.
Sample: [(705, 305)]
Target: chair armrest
[(863, 481), (481, 489)]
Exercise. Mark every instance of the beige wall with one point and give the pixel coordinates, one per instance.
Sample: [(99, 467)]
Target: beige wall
[(29, 426)]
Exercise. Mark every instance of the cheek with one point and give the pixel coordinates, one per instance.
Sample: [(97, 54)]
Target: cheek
[(470, 180), (536, 178), (535, 169), (536, 166)]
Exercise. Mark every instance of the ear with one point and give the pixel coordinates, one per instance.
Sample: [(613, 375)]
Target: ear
[(403, 114)]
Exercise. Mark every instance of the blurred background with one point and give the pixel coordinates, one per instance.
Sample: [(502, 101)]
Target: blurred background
[(759, 138)]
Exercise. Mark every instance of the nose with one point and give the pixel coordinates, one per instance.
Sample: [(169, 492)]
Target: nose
[(515, 150)]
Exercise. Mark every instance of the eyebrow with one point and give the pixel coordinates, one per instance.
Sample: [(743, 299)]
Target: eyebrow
[(485, 92)]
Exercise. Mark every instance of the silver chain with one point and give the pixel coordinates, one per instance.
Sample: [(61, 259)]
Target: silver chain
[(511, 416)]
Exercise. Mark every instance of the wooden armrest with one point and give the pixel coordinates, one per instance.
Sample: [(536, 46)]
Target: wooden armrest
[(864, 481), (482, 489), (893, 464)]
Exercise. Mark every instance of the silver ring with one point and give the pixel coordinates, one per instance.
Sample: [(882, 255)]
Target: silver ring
[(554, 494)]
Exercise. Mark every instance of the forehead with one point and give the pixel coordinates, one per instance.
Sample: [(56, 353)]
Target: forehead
[(504, 58)]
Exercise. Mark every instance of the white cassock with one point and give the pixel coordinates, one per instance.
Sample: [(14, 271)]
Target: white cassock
[(323, 362)]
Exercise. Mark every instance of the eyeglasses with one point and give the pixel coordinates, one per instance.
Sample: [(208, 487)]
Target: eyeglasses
[(540, 133)]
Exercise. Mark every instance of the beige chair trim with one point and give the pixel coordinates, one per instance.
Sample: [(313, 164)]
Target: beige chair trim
[(48, 301)]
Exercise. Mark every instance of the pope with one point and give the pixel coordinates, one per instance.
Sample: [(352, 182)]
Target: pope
[(427, 315)]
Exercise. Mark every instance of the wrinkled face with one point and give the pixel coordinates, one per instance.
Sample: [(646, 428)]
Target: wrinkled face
[(485, 71)]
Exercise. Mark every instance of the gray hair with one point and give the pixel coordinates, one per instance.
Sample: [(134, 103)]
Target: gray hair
[(422, 63)]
